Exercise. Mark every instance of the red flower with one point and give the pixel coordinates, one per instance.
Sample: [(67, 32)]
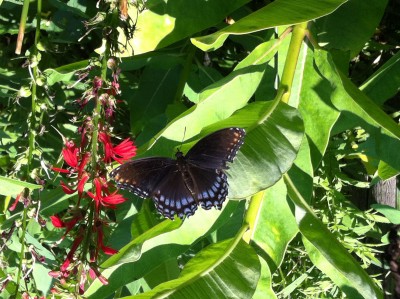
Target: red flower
[(57, 222), (100, 243), (66, 189), (120, 153), (68, 225), (70, 154), (71, 253), (109, 200), (71, 157), (14, 205)]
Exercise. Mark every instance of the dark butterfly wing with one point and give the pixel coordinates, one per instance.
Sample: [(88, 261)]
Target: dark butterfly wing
[(171, 196), (143, 175), (214, 150), (177, 187), (210, 185), (159, 179)]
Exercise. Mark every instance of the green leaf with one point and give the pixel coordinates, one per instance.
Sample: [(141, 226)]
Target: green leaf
[(65, 74), (385, 82), (328, 254), (137, 258), (277, 13), (385, 171), (216, 102), (275, 226), (361, 111), (333, 30), (14, 187), (157, 89), (264, 286), (269, 149), (318, 117), (166, 22), (228, 269), (390, 213)]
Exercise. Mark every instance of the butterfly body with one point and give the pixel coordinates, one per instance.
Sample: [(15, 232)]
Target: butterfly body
[(179, 186)]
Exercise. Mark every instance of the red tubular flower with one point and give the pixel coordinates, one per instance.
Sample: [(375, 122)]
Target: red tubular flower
[(81, 184), (94, 272), (109, 200), (71, 253), (66, 189), (70, 154), (120, 153), (57, 222), (100, 243), (14, 205)]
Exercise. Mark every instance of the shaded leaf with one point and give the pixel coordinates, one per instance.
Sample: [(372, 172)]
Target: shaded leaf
[(348, 31), (277, 13), (385, 82), (137, 259), (228, 269)]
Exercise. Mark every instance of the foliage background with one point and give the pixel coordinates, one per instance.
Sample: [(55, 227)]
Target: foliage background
[(318, 104)]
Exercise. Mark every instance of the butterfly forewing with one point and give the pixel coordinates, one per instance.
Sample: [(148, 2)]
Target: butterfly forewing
[(214, 150), (142, 176)]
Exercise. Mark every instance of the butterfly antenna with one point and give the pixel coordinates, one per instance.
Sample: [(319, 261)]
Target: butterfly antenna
[(183, 138)]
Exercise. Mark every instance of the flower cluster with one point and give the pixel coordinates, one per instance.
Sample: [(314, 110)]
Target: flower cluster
[(86, 183)]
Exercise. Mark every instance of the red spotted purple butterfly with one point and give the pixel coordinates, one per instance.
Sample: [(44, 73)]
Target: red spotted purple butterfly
[(179, 186)]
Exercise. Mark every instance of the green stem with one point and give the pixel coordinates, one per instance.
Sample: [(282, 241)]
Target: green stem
[(283, 94), (32, 129), (22, 24), (252, 214), (299, 31), (94, 149), (22, 241)]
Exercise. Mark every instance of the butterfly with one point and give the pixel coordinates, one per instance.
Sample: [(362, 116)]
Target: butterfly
[(178, 186)]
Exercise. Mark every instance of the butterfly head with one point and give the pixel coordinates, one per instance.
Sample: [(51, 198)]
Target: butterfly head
[(179, 154)]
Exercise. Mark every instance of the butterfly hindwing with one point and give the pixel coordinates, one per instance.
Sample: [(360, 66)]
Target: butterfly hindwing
[(214, 150), (210, 185), (172, 196)]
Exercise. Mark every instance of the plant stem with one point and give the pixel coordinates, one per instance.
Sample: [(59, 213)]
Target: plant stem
[(22, 241), (32, 129), (94, 150), (252, 214), (299, 31), (283, 94), (22, 24)]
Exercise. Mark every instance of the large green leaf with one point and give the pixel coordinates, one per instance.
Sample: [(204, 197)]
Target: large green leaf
[(165, 22), (318, 117), (154, 247), (361, 111), (385, 82), (264, 287), (270, 146), (157, 88), (275, 226), (216, 102), (229, 269), (277, 13), (328, 254), (13, 187), (349, 31)]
